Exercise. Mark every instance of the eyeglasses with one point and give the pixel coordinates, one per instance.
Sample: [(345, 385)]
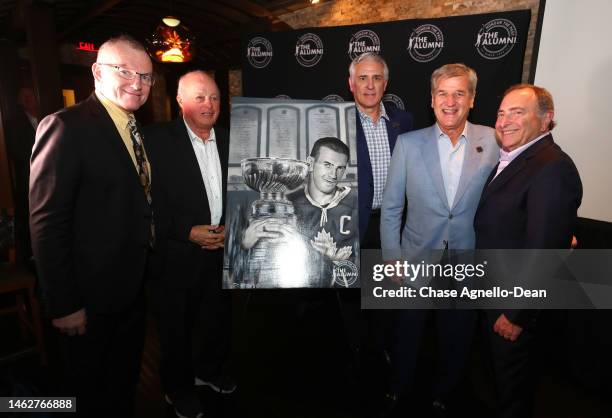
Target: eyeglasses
[(146, 78)]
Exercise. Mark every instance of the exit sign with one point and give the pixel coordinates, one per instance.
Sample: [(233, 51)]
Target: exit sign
[(86, 46)]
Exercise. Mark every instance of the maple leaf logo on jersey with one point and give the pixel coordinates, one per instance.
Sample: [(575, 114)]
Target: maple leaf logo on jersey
[(325, 244)]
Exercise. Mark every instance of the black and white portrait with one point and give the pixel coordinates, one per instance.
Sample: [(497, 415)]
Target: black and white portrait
[(292, 222)]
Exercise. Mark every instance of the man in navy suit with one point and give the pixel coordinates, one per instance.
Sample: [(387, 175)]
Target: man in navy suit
[(189, 158), (378, 126), (530, 202)]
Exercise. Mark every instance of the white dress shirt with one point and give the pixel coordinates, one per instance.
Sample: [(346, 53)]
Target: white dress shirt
[(210, 168)]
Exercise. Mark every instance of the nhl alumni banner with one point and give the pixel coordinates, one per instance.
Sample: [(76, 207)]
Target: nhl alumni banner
[(313, 63)]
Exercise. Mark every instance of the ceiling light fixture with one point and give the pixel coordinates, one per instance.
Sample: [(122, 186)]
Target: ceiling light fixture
[(171, 21), (171, 42)]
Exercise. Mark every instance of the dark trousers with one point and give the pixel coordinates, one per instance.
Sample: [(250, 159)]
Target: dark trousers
[(454, 335), (102, 366), (195, 329), (513, 373), (365, 330)]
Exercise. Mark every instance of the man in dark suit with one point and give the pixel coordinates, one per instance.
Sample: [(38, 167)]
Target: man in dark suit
[(530, 201), (91, 225), (189, 157), (378, 126)]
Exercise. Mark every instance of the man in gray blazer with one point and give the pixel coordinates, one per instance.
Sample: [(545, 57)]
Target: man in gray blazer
[(440, 172)]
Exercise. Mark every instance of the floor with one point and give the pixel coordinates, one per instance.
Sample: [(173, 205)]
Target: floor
[(291, 361)]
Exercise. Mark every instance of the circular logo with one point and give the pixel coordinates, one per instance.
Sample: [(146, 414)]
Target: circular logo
[(259, 52), (363, 41), (333, 98), (425, 43), (308, 50), (496, 38), (345, 274), (392, 98)]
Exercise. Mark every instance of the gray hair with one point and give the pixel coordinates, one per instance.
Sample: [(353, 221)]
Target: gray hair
[(455, 70), (369, 56)]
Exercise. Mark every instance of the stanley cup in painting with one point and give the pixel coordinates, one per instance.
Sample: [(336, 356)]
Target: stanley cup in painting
[(292, 195), (272, 177)]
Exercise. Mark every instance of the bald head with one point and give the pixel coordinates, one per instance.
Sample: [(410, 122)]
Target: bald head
[(118, 72), (198, 98)]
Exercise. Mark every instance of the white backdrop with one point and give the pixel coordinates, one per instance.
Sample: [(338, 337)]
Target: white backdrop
[(575, 65)]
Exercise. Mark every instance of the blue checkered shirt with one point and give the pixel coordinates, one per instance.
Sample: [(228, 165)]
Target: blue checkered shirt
[(380, 153)]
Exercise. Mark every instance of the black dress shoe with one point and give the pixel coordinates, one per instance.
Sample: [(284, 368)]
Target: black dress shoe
[(389, 405), (439, 409)]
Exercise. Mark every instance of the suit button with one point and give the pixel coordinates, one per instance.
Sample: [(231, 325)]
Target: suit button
[(450, 216)]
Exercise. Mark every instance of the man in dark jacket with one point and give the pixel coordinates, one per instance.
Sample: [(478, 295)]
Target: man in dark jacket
[(189, 158)]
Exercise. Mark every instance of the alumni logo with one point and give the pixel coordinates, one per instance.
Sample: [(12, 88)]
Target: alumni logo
[(395, 99), (259, 52), (309, 50), (344, 274), (363, 41), (425, 43), (333, 98), (496, 38)]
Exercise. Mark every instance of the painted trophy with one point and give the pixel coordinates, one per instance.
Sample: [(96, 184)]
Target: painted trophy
[(270, 260)]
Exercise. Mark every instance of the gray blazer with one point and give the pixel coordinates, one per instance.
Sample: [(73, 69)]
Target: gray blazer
[(415, 177)]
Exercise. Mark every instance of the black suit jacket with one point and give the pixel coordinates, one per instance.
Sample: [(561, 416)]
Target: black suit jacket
[(532, 204), (180, 201), (89, 218), (398, 123)]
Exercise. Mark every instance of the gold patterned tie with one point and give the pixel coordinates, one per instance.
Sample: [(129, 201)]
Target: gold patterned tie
[(143, 169)]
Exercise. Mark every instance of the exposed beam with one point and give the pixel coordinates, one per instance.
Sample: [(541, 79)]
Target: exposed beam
[(88, 15), (255, 10)]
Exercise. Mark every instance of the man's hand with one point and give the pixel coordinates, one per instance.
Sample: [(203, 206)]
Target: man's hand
[(209, 237), (264, 228), (507, 329), (398, 280), (73, 324)]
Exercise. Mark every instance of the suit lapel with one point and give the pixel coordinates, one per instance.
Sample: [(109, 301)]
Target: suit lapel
[(105, 127), (188, 156), (516, 166), (392, 130), (431, 158), (471, 162)]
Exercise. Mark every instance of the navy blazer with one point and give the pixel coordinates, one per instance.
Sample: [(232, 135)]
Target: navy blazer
[(399, 122), (531, 204)]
